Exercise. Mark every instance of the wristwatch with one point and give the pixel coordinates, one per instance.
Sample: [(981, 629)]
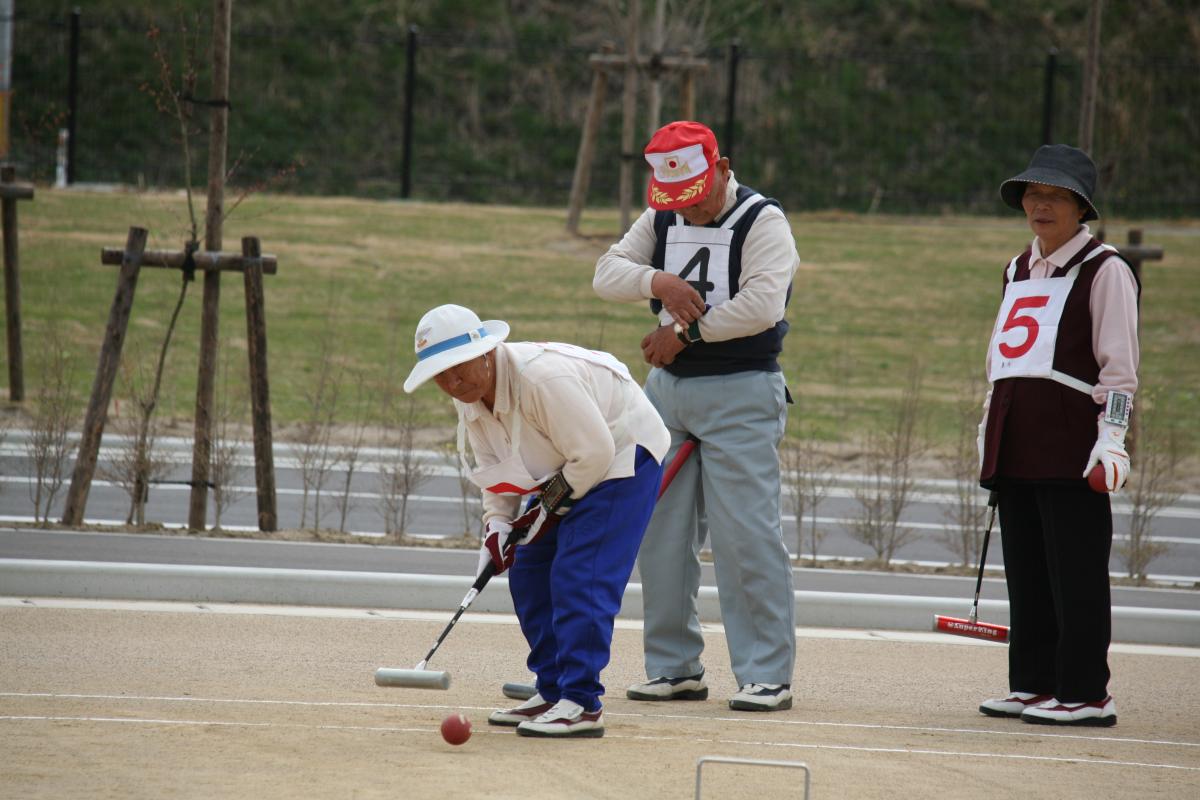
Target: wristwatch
[(690, 334)]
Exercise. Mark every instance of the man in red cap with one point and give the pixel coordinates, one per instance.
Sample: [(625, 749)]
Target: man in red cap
[(715, 260)]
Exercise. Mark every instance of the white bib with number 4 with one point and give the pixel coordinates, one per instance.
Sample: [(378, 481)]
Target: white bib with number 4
[(1026, 329), (700, 256)]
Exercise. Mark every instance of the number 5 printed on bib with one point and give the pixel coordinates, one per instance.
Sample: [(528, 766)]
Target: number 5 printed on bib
[(1023, 343)]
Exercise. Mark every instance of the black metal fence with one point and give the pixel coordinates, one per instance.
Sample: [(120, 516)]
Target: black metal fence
[(327, 111)]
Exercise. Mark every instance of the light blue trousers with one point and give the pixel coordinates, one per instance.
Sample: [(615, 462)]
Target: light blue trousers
[(731, 482)]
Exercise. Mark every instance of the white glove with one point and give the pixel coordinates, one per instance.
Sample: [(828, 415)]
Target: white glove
[(493, 551), (1109, 451)]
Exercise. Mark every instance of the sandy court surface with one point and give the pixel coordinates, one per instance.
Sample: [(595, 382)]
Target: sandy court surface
[(155, 700)]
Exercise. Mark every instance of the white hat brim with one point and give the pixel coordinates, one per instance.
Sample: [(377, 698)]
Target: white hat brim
[(496, 331)]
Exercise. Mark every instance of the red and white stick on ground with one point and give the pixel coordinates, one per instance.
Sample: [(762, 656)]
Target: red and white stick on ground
[(971, 626)]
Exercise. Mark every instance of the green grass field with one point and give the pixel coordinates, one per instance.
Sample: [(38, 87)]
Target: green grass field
[(872, 295)]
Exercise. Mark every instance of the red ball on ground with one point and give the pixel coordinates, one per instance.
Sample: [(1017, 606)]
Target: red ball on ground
[(456, 729), (1098, 480)]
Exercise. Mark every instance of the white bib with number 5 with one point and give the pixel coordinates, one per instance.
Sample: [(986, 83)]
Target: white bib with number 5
[(1026, 329)]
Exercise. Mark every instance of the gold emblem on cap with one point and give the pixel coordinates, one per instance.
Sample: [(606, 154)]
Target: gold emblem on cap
[(662, 198)]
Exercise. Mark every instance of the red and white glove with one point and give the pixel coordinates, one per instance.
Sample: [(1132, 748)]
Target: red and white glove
[(493, 550), (1109, 452), (553, 504)]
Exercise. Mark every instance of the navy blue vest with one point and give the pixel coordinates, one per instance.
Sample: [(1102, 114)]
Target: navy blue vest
[(758, 352)]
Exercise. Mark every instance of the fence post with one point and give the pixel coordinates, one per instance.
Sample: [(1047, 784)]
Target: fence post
[(12, 280), (410, 87), (730, 100), (72, 95), (1048, 96)]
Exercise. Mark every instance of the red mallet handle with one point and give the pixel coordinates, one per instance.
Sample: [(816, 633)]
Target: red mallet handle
[(681, 455)]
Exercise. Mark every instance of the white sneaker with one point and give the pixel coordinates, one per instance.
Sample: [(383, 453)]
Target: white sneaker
[(530, 709), (689, 688), (1101, 714), (566, 719), (762, 697), (1013, 705)]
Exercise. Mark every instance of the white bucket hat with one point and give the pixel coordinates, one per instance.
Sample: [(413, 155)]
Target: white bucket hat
[(449, 335)]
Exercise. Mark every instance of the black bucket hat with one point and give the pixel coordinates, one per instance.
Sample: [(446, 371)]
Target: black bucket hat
[(1056, 165)]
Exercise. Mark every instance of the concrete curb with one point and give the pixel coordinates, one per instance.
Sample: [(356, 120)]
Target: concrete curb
[(388, 590)]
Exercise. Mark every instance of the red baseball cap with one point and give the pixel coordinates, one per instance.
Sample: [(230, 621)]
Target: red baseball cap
[(683, 156)]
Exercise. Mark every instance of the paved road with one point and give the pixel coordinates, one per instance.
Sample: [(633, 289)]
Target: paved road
[(437, 508), (145, 548)]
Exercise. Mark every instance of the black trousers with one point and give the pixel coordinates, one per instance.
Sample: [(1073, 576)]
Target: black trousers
[(1056, 542)]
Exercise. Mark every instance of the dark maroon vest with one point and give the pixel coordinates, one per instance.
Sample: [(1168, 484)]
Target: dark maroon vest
[(1039, 429)]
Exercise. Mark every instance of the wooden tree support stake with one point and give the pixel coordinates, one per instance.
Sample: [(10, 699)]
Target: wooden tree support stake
[(260, 396), (106, 375), (10, 193)]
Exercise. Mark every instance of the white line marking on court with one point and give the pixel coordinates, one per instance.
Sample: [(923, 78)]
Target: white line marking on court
[(394, 615), (794, 745), (1034, 733)]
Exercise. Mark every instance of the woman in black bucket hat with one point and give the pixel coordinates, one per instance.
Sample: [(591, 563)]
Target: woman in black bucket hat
[(1062, 363)]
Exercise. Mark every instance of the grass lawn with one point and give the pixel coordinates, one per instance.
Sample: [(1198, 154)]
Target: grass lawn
[(873, 294)]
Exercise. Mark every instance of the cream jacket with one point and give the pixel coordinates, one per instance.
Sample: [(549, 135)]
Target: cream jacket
[(578, 417)]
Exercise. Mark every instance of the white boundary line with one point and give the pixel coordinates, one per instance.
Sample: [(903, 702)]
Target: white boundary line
[(323, 612), (751, 743), (1033, 732)]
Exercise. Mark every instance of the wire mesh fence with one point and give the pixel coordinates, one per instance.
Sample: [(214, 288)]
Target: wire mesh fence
[(497, 117)]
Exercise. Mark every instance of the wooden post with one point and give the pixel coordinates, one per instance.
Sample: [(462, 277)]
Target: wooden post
[(1091, 80), (260, 396), (210, 313), (587, 147), (687, 90), (629, 113), (12, 280), (106, 375)]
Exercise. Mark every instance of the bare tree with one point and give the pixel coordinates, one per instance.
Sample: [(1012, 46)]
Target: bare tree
[(349, 454), (890, 480), (228, 443), (808, 476), (49, 448), (401, 471), (468, 492), (136, 463), (314, 449), (1153, 481), (967, 512)]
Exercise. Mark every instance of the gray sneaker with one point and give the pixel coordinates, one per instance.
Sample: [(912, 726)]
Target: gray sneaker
[(530, 709), (762, 697), (692, 687)]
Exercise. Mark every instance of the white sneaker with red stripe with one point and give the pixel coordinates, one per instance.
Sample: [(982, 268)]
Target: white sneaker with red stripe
[(1101, 714), (532, 708), (1013, 705), (566, 719)]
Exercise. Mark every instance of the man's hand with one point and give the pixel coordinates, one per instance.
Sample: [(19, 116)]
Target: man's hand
[(679, 298), (493, 550), (660, 346)]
